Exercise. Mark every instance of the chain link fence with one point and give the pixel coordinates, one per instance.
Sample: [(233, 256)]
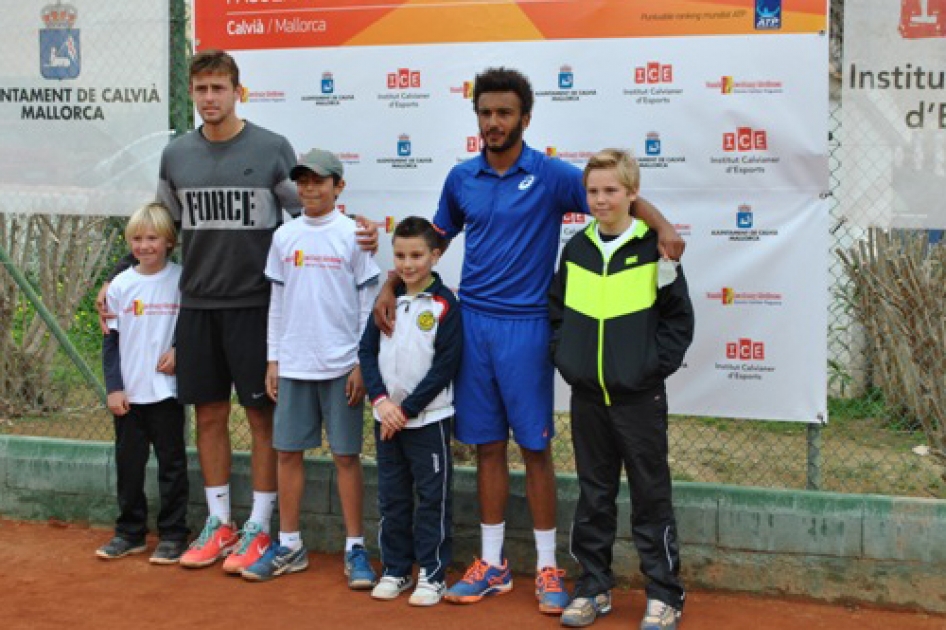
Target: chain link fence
[(874, 442)]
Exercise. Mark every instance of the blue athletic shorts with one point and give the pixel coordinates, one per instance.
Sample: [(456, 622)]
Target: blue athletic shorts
[(505, 381)]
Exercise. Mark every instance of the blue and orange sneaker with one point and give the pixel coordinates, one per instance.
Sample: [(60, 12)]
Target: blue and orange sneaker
[(550, 590), (481, 580)]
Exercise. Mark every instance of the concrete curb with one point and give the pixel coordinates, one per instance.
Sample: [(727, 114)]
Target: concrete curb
[(881, 550)]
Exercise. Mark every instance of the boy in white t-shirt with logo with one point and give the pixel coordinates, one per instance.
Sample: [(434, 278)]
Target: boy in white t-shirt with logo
[(138, 360), (323, 288)]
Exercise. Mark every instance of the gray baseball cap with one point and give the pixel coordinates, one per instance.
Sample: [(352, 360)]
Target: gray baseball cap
[(320, 162)]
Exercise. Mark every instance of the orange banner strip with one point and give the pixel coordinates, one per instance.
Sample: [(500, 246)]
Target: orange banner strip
[(270, 24)]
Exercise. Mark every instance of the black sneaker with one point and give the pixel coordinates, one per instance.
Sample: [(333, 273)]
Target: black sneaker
[(168, 552), (119, 547)]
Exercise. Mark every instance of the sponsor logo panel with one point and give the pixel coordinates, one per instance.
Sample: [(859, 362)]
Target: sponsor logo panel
[(730, 296), (744, 228), (745, 151), (404, 156), (567, 88), (744, 359), (768, 15), (326, 93), (653, 155), (652, 83), (404, 89)]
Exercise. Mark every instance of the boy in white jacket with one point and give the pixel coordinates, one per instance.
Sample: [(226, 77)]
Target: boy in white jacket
[(409, 378)]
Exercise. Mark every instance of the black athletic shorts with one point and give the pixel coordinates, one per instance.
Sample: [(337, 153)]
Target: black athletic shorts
[(219, 350)]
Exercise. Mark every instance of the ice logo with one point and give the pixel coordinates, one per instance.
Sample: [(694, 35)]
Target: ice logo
[(59, 42), (768, 15)]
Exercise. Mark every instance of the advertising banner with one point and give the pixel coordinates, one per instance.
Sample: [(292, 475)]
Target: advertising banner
[(83, 104), (893, 156), (723, 103)]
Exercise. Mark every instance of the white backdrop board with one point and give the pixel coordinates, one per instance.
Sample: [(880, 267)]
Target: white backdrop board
[(893, 156), (83, 104), (725, 105)]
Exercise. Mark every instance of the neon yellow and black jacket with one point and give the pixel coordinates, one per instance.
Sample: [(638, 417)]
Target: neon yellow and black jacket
[(614, 333)]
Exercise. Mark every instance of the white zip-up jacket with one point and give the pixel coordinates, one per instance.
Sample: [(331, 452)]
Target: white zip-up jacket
[(416, 365)]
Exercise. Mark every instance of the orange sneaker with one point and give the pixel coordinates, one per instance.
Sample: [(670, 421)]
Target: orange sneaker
[(253, 544), (481, 580), (215, 541), (550, 590)]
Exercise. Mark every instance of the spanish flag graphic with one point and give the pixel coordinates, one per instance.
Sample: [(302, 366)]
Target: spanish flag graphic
[(298, 258), (729, 295), (139, 307), (726, 85)]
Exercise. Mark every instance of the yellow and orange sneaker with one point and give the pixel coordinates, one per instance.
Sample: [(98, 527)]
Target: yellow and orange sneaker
[(253, 544), (215, 541)]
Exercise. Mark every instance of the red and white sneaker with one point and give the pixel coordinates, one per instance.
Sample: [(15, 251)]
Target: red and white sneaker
[(215, 541), (253, 544)]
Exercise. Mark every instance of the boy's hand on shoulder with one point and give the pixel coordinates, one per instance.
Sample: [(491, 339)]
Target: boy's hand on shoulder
[(385, 306), (167, 362), (355, 387), (392, 419), (101, 305), (118, 403), (367, 234), (272, 380), (670, 244)]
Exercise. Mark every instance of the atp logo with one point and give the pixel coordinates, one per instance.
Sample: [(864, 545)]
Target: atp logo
[(768, 15), (59, 53)]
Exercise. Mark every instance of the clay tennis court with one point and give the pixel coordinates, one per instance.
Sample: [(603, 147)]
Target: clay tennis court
[(49, 578)]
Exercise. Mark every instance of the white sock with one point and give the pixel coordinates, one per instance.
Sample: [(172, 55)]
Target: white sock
[(290, 540), (263, 505), (545, 548), (218, 502), (351, 541), (492, 543)]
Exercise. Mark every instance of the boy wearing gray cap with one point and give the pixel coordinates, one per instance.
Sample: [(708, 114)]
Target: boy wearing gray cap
[(323, 288)]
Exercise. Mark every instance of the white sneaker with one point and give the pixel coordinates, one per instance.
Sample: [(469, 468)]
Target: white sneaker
[(660, 616), (389, 587), (428, 592)]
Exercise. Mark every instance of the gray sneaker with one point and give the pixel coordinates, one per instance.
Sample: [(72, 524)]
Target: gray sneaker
[(660, 616), (168, 552), (582, 611), (119, 547)]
